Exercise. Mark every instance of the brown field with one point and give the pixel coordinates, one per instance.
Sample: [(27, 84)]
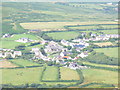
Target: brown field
[(6, 64), (104, 44)]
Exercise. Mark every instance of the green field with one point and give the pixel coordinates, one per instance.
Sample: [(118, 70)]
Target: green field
[(63, 35), (112, 52), (18, 36), (109, 31), (68, 74), (51, 73), (9, 44), (100, 65), (21, 76), (24, 63), (100, 76)]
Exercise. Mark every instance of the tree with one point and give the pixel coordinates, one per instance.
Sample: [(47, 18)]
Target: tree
[(49, 63), (20, 47)]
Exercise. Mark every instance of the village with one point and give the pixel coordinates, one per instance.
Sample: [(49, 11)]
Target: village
[(59, 52)]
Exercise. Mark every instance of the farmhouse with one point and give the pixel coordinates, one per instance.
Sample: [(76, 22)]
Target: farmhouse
[(6, 35), (53, 47), (83, 54), (24, 40)]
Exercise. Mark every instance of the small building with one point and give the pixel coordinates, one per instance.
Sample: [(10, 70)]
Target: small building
[(6, 35), (24, 40)]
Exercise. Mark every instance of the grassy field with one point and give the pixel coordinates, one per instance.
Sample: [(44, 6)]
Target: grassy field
[(21, 76), (9, 44), (109, 31), (24, 63), (46, 26), (51, 73), (100, 76), (100, 65), (68, 74), (63, 35), (104, 44), (94, 27), (112, 52), (18, 36), (7, 64)]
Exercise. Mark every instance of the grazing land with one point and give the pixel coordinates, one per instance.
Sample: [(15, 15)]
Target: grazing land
[(100, 76), (7, 64), (68, 74), (104, 44), (25, 75), (63, 35), (24, 63), (112, 52), (57, 25), (51, 73)]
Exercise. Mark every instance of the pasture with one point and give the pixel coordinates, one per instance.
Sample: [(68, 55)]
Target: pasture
[(7, 64), (68, 74), (21, 76), (48, 26), (112, 52), (63, 35), (100, 76), (51, 73), (9, 44), (110, 31), (24, 63), (18, 36), (104, 44)]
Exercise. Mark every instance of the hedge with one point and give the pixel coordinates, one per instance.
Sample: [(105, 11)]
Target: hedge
[(103, 85), (105, 68)]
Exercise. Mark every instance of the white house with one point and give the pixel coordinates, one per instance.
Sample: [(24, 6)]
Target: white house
[(24, 40), (83, 54)]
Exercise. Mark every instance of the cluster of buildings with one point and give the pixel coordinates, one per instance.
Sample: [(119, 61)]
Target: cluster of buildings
[(9, 52)]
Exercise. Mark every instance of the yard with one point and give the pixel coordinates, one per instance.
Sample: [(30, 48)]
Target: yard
[(68, 74), (112, 52)]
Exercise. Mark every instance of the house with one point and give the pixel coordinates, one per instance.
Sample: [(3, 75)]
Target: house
[(65, 43), (6, 35), (73, 66), (24, 40), (53, 47), (83, 54), (17, 53)]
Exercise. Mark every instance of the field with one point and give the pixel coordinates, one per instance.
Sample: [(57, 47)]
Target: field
[(18, 36), (112, 52), (104, 44), (21, 76), (51, 73), (94, 27), (109, 31), (100, 65), (68, 74), (56, 25), (24, 63), (7, 64), (9, 44), (63, 35), (100, 76)]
